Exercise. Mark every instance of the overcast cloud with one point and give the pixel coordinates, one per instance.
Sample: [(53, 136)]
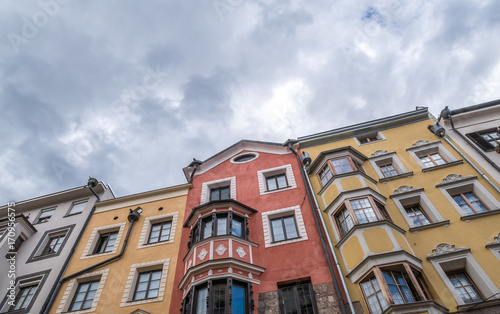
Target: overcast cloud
[(131, 91)]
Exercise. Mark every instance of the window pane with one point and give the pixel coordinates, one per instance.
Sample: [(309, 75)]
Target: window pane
[(201, 301), (214, 194), (77, 207), (305, 301), (271, 183), (281, 181), (219, 298), (224, 195), (289, 301), (207, 228), (290, 228), (221, 225), (238, 306), (237, 227), (341, 165), (278, 232)]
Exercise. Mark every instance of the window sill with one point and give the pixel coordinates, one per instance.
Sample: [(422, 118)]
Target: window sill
[(279, 242), (74, 214), (278, 190), (399, 176), (428, 306), (480, 215), (478, 305), (429, 226), (368, 225), (446, 165), (368, 143)]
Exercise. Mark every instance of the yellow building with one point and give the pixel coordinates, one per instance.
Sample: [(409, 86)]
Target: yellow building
[(125, 261), (414, 226)]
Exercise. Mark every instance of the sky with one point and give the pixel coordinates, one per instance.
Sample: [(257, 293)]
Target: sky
[(130, 92)]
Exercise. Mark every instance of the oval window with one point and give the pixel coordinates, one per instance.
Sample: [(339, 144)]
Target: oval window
[(244, 158)]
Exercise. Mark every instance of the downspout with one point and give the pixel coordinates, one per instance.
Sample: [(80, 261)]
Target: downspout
[(133, 216), (92, 182), (195, 164), (322, 238), (447, 114), (439, 131)]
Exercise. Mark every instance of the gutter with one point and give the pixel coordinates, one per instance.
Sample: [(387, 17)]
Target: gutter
[(321, 236), (132, 217)]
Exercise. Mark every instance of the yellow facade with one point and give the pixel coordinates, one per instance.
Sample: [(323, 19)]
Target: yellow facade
[(144, 254), (449, 242)]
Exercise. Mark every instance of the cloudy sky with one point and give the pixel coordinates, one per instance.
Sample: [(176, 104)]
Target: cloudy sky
[(131, 91)]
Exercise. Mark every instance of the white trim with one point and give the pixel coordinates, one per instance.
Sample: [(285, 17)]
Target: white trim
[(429, 148), (206, 186), (267, 216), (135, 269), (417, 197), (94, 238), (72, 287), (384, 159), (462, 258), (286, 169), (146, 229), (256, 155)]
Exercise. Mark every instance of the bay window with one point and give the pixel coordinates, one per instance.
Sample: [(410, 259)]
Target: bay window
[(338, 166), (359, 211), (217, 224)]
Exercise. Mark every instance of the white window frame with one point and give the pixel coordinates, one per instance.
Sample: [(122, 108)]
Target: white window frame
[(425, 147), (283, 212), (149, 222), (69, 213), (456, 183), (72, 287), (94, 239), (207, 186), (135, 270), (380, 158), (263, 174), (412, 196), (378, 134), (447, 257)]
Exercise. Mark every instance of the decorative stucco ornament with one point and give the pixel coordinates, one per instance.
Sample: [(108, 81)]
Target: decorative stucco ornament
[(221, 249)]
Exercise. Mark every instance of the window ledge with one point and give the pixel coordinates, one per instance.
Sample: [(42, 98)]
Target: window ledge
[(368, 225), (416, 307), (479, 215), (399, 176), (478, 305), (278, 190), (429, 226), (446, 165)]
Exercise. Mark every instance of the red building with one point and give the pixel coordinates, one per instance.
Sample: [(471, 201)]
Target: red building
[(250, 242)]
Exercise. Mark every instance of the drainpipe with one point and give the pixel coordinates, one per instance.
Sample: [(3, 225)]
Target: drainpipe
[(447, 114), (438, 130), (92, 182), (133, 216), (320, 231), (195, 164)]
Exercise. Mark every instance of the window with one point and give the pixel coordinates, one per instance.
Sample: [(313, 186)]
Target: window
[(106, 242), (284, 228), (148, 285), (487, 140), (432, 156), (219, 297), (359, 211), (160, 232), (368, 139), (430, 160), (54, 244), (221, 193), (17, 245), (24, 296), (464, 286), (276, 179), (402, 282), (45, 215), (469, 203), (462, 274), (218, 190), (417, 214), (276, 182), (243, 158), (468, 196), (84, 296), (338, 166), (388, 170), (297, 299), (77, 207), (217, 224)]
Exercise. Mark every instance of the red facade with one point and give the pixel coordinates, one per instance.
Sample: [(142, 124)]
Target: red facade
[(249, 242)]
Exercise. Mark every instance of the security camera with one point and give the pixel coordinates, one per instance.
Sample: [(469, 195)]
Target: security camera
[(438, 130)]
